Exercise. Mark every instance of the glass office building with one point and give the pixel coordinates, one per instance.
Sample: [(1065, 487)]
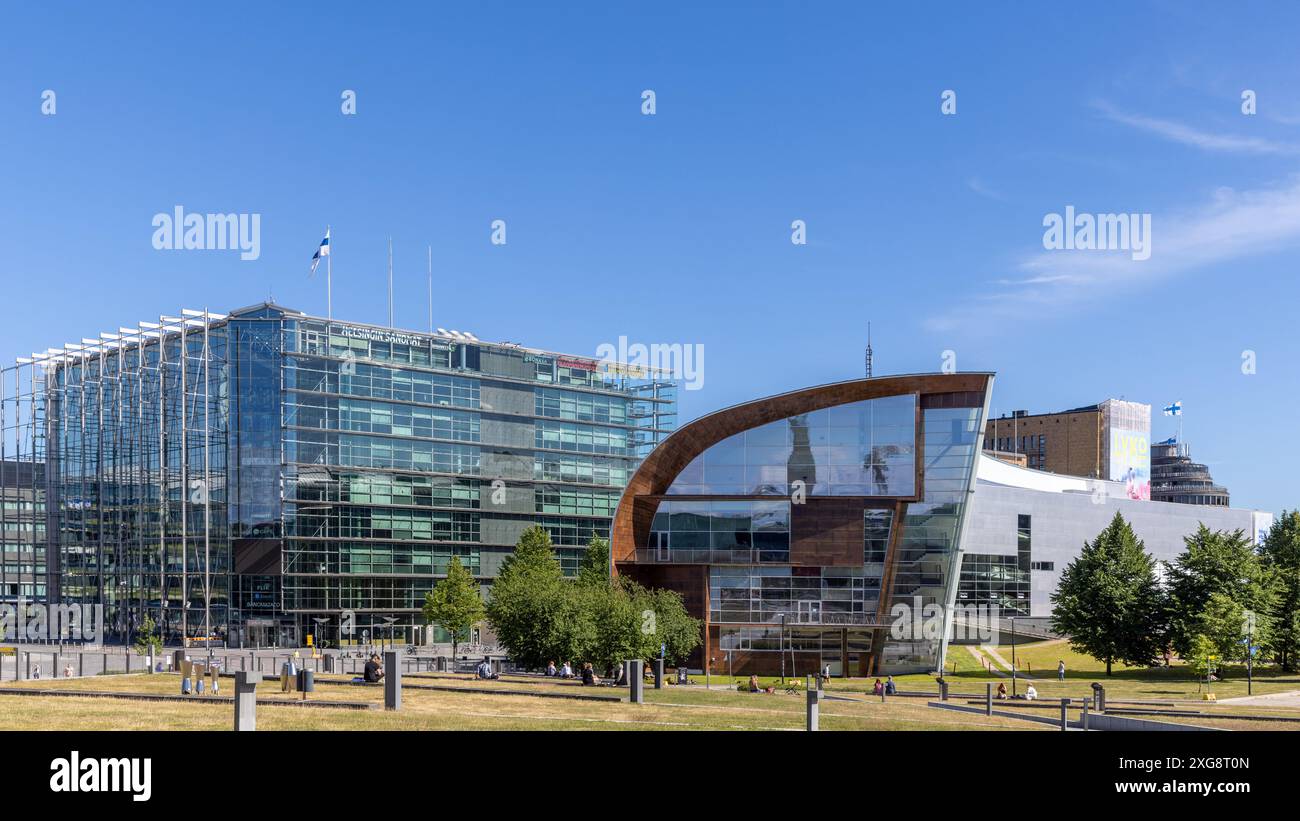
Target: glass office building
[(265, 475), (799, 527)]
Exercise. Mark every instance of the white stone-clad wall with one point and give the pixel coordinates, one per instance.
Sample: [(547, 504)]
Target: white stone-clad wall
[(1066, 511)]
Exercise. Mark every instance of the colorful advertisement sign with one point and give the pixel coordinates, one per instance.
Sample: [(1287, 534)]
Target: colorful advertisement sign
[(1130, 462)]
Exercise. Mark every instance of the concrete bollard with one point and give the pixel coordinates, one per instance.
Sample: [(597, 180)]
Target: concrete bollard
[(1065, 716), (1085, 714), (246, 700), (988, 699), (635, 680), (814, 697), (659, 674), (943, 691), (393, 680)]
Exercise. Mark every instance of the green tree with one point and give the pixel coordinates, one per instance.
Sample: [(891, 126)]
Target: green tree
[(532, 609), (1224, 623), (629, 620), (676, 629), (454, 603), (148, 638), (1281, 556), (1109, 600), (1216, 561), (593, 569), (1202, 656), (541, 616)]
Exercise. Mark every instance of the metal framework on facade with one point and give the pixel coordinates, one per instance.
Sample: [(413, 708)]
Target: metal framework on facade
[(121, 441)]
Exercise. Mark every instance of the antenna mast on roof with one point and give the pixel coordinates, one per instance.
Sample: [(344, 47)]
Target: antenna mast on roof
[(868, 350)]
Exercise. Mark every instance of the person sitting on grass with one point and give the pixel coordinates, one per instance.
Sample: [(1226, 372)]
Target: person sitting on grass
[(550, 669), (1002, 689), (1031, 693), (589, 677), (374, 671), (484, 670), (890, 687), (566, 671), (878, 688), (753, 684)]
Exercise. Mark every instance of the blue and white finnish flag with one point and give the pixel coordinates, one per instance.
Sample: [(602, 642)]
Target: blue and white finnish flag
[(322, 251), (1175, 409)]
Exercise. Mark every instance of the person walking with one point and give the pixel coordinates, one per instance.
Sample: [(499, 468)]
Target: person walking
[(1060, 670)]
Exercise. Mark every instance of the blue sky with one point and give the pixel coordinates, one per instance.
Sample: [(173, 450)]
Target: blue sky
[(676, 227)]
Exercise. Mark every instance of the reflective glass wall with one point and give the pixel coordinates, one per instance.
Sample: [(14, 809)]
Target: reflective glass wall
[(863, 448), (402, 450)]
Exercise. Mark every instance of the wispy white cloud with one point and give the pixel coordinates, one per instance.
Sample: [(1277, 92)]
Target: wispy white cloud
[(1035, 280), (1230, 225), (1187, 135), (977, 185)]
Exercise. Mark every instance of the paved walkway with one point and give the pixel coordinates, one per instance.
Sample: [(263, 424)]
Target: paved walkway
[(980, 658), (993, 653), (1290, 698)]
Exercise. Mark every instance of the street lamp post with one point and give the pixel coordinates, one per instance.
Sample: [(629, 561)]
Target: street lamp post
[(320, 628), (389, 621), (1013, 655), (781, 646)]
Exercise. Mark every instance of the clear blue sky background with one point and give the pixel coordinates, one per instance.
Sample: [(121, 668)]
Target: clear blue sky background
[(676, 227)]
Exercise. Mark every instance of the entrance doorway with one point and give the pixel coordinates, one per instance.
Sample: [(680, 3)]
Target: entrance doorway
[(261, 635)]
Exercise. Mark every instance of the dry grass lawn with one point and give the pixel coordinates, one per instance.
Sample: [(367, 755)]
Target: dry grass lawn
[(685, 708)]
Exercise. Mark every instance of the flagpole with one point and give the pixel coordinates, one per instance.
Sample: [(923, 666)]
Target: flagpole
[(329, 280), (430, 289), (390, 282)]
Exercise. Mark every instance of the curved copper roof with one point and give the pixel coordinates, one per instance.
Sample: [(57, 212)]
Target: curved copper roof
[(661, 467)]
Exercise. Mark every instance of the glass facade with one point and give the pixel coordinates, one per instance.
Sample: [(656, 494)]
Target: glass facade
[(721, 531), (863, 448), (23, 553), (403, 449), (1001, 580), (138, 439), (804, 595), (271, 470), (774, 512)]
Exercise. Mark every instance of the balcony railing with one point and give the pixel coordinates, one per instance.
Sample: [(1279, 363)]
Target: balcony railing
[(710, 556)]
